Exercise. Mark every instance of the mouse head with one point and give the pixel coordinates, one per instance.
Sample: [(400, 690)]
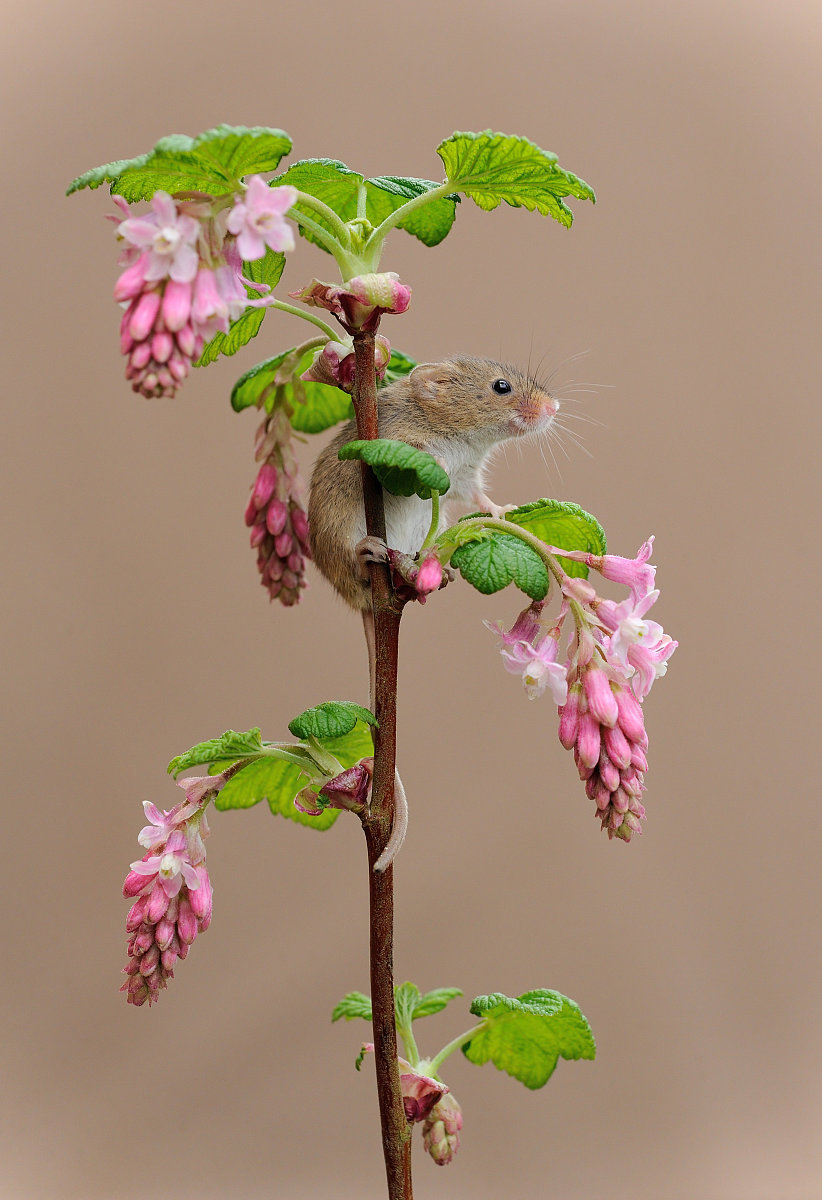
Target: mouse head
[(465, 396)]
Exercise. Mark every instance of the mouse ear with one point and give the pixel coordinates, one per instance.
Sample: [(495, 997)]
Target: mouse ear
[(428, 378)]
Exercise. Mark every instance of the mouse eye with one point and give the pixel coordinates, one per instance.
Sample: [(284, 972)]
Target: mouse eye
[(501, 387)]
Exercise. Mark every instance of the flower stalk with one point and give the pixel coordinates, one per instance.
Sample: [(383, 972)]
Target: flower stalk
[(387, 611)]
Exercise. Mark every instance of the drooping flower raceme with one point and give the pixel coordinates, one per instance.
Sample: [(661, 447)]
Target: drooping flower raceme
[(183, 279), (276, 514), (613, 657), (170, 888)]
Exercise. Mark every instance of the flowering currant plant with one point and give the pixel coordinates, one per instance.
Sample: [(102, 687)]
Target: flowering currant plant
[(198, 271)]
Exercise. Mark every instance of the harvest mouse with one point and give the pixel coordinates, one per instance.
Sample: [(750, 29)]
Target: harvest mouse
[(459, 411)]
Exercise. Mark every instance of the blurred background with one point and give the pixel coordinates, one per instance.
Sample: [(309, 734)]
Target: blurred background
[(135, 624)]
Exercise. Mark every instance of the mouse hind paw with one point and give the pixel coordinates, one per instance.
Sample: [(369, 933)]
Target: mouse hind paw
[(370, 550)]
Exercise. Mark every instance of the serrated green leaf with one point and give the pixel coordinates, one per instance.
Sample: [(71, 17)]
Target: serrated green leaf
[(491, 564), (336, 185), (526, 1036), (435, 1001), (492, 167), (561, 523), (229, 746), (278, 782), (331, 719), (353, 1005), (401, 469), (213, 162), (265, 271)]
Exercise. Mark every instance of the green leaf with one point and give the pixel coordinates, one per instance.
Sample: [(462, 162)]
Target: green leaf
[(353, 1005), (278, 782), (336, 185), (406, 998), (491, 167), (435, 1001), (430, 222), (401, 469), (331, 719), (527, 1036), (491, 564), (561, 523), (228, 746), (213, 162), (266, 270)]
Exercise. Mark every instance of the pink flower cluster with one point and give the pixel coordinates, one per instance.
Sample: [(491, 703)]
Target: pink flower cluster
[(183, 279), (275, 513), (614, 656), (171, 891), (441, 1131), (358, 303)]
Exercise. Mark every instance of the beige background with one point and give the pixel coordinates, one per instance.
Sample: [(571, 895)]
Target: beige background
[(136, 625)]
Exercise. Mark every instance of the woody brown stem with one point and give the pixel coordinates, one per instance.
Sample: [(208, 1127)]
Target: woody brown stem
[(396, 1132)]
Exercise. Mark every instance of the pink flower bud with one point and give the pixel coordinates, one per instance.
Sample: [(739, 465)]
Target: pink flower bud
[(638, 758), (276, 517), (186, 923), (136, 914), (283, 543), (264, 485), (299, 523), (162, 345), (430, 575), (601, 700), (176, 304), (141, 355), (631, 720), (157, 903), (608, 773), (619, 749), (200, 898), (588, 740), (136, 883), (144, 315), (132, 280), (187, 342), (569, 718)]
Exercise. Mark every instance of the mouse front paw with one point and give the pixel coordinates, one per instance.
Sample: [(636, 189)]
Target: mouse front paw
[(485, 504)]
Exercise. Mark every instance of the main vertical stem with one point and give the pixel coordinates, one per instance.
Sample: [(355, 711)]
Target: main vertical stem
[(396, 1132)]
